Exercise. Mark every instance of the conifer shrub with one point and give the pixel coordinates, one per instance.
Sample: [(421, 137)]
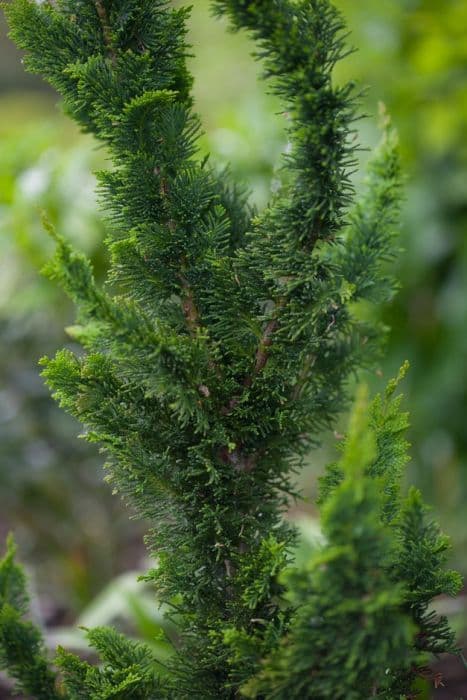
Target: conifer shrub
[(218, 349)]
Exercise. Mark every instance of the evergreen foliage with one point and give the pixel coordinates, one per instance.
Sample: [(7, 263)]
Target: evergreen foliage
[(21, 649), (381, 564), (216, 352)]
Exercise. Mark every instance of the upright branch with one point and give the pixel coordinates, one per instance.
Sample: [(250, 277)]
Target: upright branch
[(106, 31)]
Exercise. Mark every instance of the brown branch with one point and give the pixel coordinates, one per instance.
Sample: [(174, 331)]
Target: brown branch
[(266, 340), (429, 674), (106, 31), (190, 310), (193, 320), (192, 317), (262, 354), (189, 307), (261, 358), (246, 463)]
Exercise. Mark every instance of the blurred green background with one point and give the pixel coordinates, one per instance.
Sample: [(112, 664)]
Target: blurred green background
[(412, 54)]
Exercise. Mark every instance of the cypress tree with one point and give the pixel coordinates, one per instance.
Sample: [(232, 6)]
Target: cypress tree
[(214, 355)]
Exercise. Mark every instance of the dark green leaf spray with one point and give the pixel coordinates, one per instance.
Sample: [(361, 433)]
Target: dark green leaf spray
[(214, 355)]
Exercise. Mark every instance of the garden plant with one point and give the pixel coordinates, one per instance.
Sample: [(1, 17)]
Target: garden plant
[(217, 351)]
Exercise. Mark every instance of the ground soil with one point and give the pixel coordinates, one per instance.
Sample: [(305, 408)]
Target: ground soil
[(454, 679)]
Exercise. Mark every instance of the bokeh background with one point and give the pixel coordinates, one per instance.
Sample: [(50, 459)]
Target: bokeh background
[(76, 538)]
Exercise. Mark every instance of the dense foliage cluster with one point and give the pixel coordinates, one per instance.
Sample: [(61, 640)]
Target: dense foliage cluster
[(217, 350)]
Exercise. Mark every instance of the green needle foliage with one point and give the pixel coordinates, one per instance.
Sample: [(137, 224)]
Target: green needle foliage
[(361, 626), (216, 352)]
